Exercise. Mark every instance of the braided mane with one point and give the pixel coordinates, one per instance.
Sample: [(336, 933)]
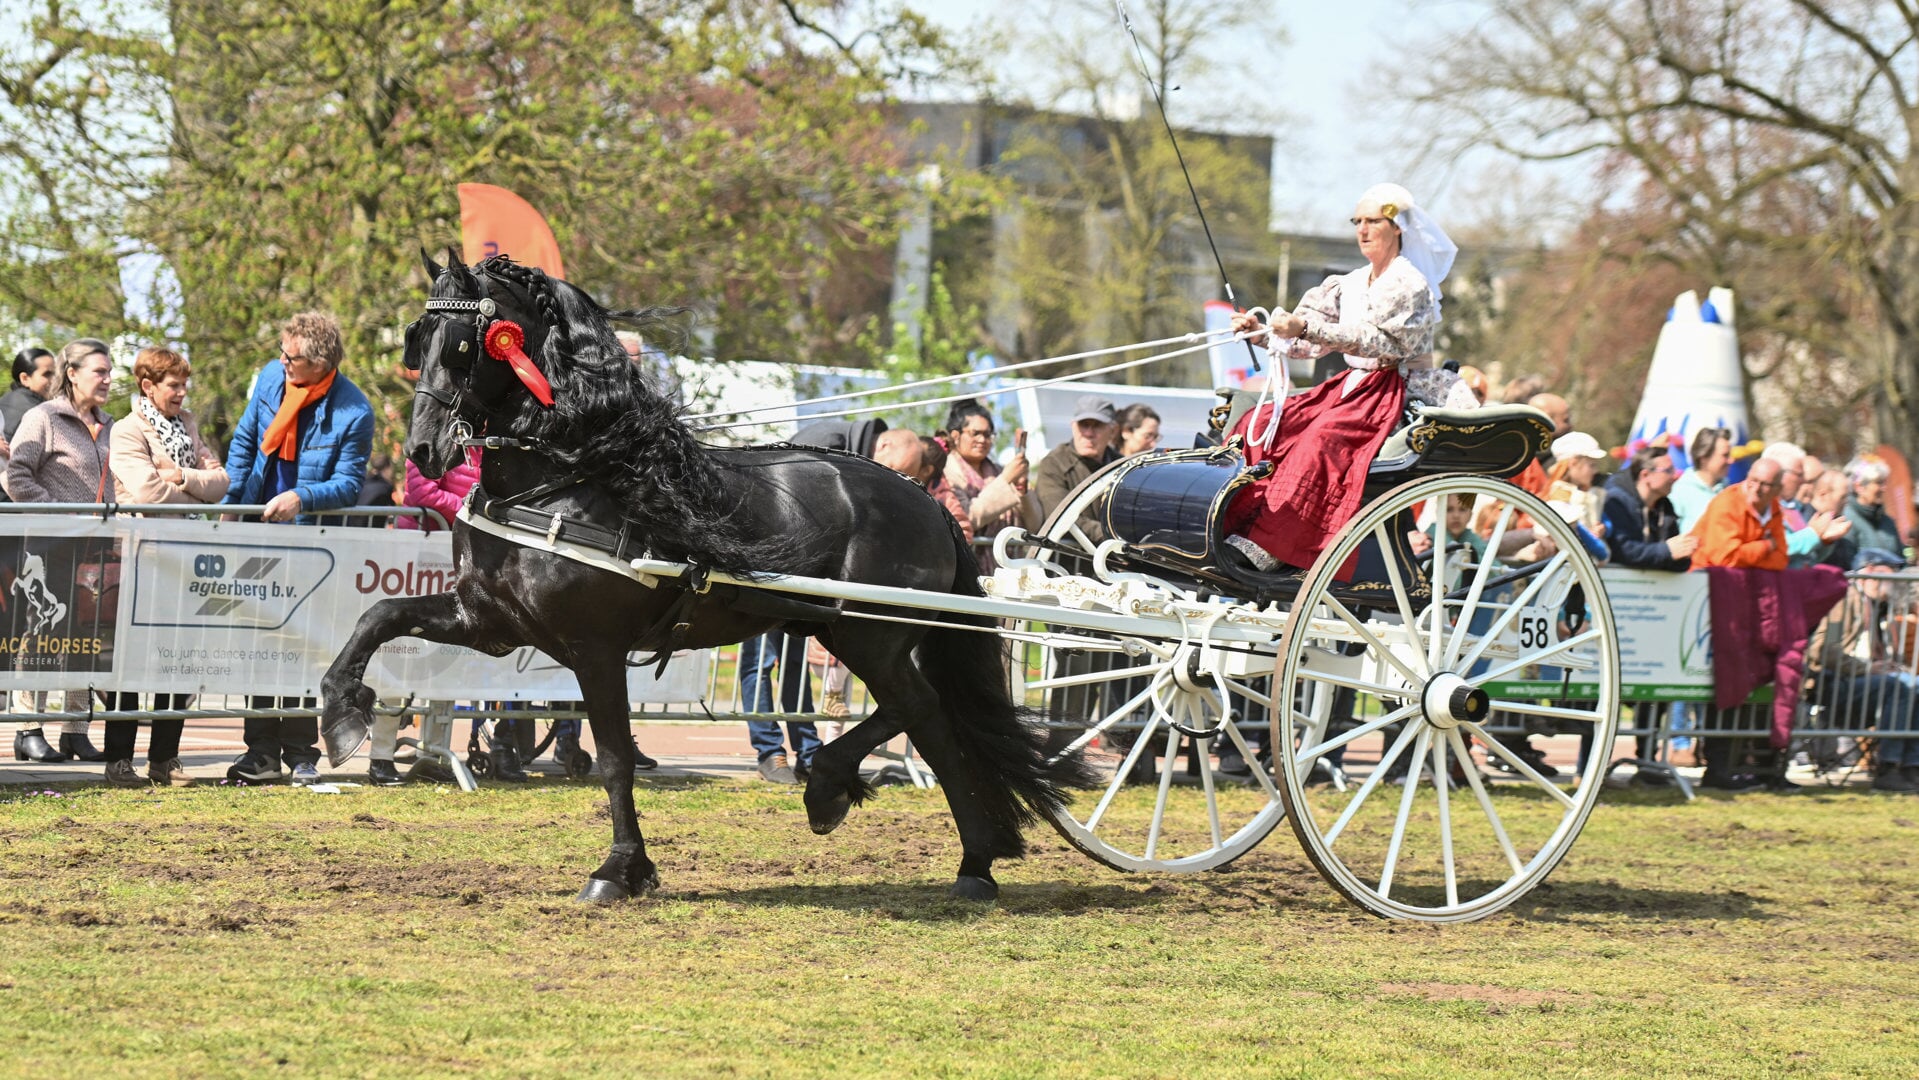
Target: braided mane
[(609, 426)]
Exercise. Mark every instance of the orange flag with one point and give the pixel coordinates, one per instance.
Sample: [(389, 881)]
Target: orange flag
[(1898, 498), (494, 221)]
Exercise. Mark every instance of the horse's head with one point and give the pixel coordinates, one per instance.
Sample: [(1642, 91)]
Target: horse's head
[(474, 349)]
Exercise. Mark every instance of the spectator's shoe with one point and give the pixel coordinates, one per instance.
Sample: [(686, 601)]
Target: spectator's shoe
[(642, 763), (306, 773), (775, 770), (1533, 757), (255, 769), (1779, 785), (32, 745), (80, 748), (429, 770), (168, 773), (1731, 782), (833, 704), (1903, 779), (506, 764), (122, 774), (382, 773), (1233, 763)]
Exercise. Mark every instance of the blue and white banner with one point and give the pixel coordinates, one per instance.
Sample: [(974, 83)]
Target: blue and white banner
[(178, 606)]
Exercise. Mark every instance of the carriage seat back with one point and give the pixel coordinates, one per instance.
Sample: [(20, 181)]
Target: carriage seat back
[(1492, 440)]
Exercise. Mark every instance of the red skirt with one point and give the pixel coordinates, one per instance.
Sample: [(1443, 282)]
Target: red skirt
[(1325, 444)]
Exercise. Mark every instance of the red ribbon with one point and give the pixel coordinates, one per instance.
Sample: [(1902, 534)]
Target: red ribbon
[(505, 340)]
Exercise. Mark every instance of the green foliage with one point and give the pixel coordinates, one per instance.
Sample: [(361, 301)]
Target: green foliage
[(949, 337), (294, 154)]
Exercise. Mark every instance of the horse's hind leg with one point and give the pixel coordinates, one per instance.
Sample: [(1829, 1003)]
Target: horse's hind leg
[(348, 700), (627, 870)]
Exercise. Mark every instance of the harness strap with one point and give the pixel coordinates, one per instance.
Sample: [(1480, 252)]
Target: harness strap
[(512, 510)]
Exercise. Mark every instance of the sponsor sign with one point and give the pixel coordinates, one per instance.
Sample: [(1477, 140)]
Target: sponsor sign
[(177, 606), (1665, 642)]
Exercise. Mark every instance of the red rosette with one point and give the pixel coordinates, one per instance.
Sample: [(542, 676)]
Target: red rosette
[(506, 341)]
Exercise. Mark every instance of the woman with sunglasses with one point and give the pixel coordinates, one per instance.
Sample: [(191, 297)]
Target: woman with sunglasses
[(1381, 317)]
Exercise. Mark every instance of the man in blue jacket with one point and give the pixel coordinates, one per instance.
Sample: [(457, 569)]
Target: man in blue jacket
[(300, 447)]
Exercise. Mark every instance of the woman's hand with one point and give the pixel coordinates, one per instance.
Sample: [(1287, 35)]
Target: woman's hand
[(1289, 326), (1015, 473), (173, 474), (1246, 320)]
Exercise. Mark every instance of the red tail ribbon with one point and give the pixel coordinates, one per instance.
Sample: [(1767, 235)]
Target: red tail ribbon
[(505, 340)]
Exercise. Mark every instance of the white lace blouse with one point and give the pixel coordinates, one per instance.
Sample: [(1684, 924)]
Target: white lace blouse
[(1386, 322)]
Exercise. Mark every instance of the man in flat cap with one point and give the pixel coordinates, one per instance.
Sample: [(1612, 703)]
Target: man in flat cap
[(1067, 465)]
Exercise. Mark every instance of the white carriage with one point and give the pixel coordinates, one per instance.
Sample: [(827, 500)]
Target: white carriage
[(1155, 664)]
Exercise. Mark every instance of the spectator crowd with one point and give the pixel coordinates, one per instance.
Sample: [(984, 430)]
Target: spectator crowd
[(303, 450)]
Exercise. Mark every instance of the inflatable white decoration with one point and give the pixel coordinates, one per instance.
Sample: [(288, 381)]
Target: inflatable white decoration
[(1696, 380)]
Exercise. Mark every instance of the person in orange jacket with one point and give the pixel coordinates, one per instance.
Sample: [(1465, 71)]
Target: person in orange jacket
[(1744, 527)]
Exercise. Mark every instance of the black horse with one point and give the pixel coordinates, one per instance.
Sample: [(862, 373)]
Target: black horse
[(498, 342)]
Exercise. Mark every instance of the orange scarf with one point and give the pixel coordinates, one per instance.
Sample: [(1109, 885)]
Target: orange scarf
[(283, 434)]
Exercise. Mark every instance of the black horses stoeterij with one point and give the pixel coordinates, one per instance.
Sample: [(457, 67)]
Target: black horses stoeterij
[(497, 342)]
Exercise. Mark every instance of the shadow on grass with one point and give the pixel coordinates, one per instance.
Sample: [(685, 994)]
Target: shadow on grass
[(1557, 901), (928, 902)]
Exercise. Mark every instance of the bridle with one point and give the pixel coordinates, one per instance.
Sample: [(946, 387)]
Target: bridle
[(480, 334)]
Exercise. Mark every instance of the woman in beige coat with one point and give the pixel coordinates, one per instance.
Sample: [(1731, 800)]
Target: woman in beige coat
[(158, 457)]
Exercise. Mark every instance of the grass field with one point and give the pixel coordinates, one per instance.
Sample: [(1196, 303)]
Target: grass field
[(215, 931)]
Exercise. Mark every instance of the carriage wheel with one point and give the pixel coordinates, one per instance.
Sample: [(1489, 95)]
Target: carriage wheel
[(1450, 844), (1161, 713)]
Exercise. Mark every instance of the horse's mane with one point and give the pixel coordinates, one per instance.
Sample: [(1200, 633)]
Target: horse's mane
[(609, 426)]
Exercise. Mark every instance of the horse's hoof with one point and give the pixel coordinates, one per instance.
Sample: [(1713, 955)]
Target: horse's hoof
[(824, 819), (968, 887), (599, 891), (345, 732)]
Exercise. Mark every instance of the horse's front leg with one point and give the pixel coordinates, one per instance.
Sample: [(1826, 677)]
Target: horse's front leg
[(348, 708), (627, 871)]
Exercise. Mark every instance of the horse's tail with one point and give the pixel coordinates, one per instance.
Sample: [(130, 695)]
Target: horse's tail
[(1002, 744)]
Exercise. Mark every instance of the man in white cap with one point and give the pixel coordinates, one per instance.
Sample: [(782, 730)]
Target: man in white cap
[(1068, 465)]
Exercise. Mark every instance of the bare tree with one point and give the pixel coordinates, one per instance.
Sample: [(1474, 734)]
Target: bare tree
[(1773, 137)]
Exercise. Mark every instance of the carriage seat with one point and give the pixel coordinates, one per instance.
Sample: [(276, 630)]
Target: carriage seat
[(1492, 440)]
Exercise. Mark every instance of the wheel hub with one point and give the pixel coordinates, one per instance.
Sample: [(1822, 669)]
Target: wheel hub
[(1449, 699)]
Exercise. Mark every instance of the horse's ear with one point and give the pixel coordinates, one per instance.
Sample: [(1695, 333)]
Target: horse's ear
[(453, 258), (433, 269)]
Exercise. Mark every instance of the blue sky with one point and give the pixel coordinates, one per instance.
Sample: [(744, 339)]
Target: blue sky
[(1334, 83)]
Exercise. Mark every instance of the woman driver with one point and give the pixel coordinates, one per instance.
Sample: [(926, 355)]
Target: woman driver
[(1382, 318)]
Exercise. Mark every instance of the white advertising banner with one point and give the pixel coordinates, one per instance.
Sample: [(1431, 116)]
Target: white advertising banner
[(1665, 641), (178, 606)]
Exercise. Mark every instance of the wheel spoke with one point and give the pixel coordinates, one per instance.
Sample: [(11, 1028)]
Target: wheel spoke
[(1519, 765), (1371, 639), (1485, 802), (1512, 612), (1085, 542), (1379, 773), (1406, 797), (1248, 692), (1484, 571), (1530, 709), (1206, 782), (1165, 784), (1313, 753), (1436, 588), (1375, 689), (1495, 674), (1400, 596), (1125, 770), (1096, 730), (1442, 784), (1252, 760)]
